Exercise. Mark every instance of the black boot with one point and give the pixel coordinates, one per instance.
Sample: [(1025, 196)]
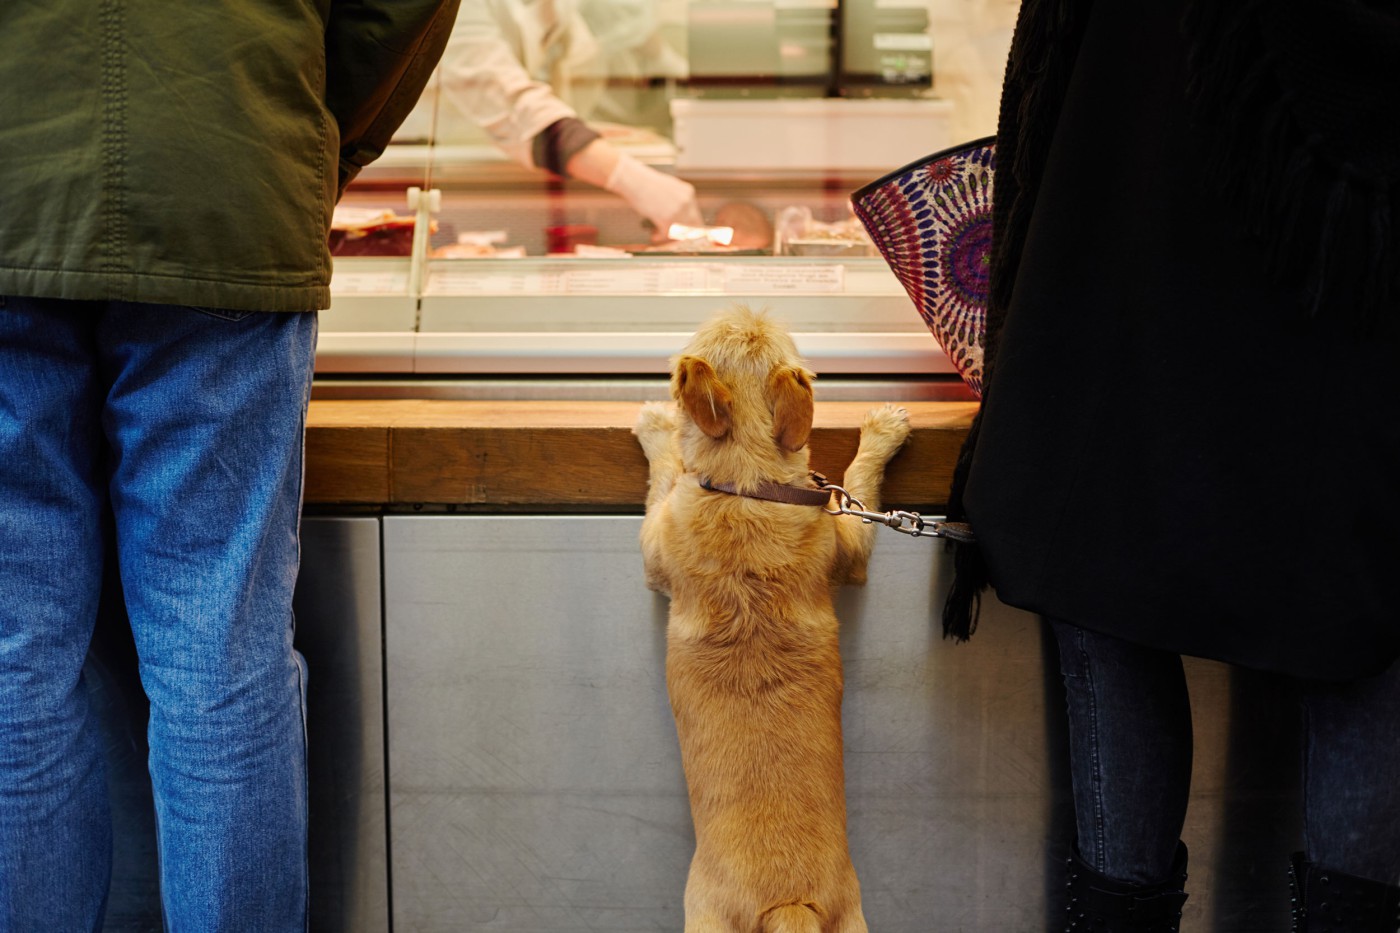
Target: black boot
[(1327, 901), (1102, 905)]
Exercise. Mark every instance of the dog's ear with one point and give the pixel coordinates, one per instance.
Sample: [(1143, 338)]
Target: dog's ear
[(698, 390), (790, 393)]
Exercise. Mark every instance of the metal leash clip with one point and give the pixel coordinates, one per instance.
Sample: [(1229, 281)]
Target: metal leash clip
[(908, 523)]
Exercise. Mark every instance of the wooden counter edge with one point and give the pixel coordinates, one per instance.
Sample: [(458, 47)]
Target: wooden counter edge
[(568, 455)]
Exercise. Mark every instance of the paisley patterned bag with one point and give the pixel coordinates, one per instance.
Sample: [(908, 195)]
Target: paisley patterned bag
[(932, 221)]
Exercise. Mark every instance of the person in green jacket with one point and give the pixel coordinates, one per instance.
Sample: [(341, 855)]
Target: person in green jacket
[(167, 175)]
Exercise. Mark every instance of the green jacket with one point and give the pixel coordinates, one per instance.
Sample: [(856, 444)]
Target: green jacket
[(191, 153)]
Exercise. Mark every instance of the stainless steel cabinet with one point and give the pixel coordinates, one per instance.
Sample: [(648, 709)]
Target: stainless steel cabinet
[(535, 783)]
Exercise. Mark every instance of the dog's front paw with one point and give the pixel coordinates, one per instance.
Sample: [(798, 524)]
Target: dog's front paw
[(656, 423), (884, 430)]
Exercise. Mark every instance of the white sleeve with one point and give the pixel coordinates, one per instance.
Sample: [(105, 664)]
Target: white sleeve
[(484, 79)]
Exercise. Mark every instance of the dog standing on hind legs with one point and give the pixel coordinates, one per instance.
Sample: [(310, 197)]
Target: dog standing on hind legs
[(753, 665)]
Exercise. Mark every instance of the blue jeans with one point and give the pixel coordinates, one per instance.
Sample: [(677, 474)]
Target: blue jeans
[(1130, 761), (188, 425)]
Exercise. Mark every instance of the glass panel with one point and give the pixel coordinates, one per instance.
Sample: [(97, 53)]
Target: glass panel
[(772, 111)]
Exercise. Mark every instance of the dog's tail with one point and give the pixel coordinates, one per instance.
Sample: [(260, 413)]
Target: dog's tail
[(792, 918)]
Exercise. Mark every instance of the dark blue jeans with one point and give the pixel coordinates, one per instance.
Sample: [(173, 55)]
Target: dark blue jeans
[(1130, 749)]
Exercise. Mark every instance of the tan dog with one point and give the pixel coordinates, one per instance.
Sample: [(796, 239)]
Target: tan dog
[(753, 666)]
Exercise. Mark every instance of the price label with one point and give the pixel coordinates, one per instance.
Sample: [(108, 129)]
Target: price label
[(784, 279)]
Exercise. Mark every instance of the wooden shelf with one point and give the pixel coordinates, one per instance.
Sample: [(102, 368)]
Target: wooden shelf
[(571, 456)]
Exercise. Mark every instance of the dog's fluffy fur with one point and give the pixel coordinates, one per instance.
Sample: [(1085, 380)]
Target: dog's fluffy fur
[(753, 666)]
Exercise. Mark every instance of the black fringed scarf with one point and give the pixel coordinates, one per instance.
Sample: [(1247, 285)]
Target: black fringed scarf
[(1304, 98)]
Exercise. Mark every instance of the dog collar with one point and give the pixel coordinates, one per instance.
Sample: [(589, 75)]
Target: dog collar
[(777, 492)]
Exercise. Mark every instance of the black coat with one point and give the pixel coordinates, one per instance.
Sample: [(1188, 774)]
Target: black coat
[(1173, 449)]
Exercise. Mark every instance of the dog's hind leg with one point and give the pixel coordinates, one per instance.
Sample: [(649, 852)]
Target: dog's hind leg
[(791, 918), (882, 434)]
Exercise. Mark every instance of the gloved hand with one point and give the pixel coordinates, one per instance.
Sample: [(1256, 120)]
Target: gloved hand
[(660, 198)]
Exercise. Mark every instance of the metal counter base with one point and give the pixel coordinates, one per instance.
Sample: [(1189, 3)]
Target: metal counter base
[(534, 783)]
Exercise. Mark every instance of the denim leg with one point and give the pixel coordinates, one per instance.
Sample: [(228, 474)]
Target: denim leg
[(205, 419), (1130, 752), (1351, 776), (55, 824)]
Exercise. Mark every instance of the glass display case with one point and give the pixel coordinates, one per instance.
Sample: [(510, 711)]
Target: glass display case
[(455, 260)]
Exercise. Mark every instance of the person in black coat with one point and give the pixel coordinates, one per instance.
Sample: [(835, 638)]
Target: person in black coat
[(1190, 436)]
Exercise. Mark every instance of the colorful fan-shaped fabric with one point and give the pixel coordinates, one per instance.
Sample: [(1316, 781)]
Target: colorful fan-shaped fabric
[(932, 221)]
